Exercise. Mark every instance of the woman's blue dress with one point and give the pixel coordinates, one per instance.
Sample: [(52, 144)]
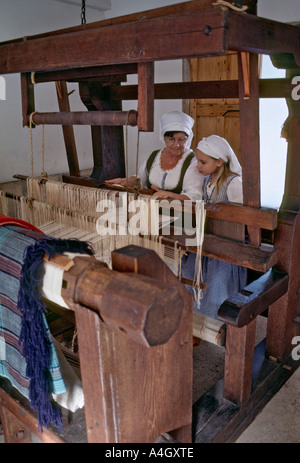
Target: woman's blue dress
[(223, 278)]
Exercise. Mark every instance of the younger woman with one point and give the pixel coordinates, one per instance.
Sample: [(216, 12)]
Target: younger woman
[(222, 183)]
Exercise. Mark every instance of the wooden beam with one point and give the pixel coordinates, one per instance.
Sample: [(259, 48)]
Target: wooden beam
[(27, 95), (146, 97), (262, 36), (262, 218), (254, 299), (259, 259), (239, 354), (68, 131), (95, 72), (86, 118), (180, 8), (181, 32), (13, 402), (249, 129), (170, 37), (181, 90)]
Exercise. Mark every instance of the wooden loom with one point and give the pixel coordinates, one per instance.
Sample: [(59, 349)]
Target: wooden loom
[(182, 31)]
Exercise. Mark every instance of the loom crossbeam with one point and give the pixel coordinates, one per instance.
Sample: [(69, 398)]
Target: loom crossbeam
[(86, 118), (210, 36)]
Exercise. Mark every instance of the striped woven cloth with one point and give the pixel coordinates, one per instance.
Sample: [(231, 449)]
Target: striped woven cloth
[(21, 327)]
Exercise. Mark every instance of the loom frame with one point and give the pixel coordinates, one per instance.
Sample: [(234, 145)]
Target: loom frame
[(215, 31)]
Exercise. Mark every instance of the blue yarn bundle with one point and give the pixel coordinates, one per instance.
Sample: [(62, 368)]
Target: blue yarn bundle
[(34, 338)]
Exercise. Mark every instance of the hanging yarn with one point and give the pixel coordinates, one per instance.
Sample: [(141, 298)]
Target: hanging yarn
[(34, 338), (200, 221), (231, 6)]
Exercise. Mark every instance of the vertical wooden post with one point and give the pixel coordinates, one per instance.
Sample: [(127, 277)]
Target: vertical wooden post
[(27, 95), (99, 425), (249, 129), (108, 144), (146, 97), (175, 375), (239, 362), (68, 132)]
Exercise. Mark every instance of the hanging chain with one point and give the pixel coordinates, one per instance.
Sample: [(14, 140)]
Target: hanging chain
[(83, 19)]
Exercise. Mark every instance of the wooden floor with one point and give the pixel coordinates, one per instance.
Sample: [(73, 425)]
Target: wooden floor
[(215, 419)]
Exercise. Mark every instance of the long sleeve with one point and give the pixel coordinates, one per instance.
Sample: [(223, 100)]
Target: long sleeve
[(235, 190)]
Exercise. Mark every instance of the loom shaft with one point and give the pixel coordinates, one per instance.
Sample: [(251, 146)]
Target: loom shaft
[(86, 118)]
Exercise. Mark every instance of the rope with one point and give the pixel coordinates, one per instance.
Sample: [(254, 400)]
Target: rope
[(137, 181), (31, 143), (230, 5), (126, 148), (32, 74), (43, 173)]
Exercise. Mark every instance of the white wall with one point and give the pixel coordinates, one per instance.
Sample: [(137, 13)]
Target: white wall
[(273, 112), (19, 18)]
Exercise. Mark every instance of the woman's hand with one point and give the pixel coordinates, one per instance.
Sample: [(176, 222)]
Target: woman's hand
[(121, 181), (167, 194), (161, 193)]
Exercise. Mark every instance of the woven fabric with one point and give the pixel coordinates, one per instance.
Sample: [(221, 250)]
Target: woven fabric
[(27, 355)]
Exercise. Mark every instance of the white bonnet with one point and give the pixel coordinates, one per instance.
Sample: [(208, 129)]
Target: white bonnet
[(219, 148), (176, 121)]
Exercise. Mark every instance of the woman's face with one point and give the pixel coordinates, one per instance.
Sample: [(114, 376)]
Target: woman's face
[(177, 144), (206, 164)]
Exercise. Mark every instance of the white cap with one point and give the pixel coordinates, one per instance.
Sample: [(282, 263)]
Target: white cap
[(176, 121), (219, 148)]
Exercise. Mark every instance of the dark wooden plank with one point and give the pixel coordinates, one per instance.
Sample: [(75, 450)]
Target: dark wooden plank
[(249, 129), (179, 348), (238, 362), (96, 73), (146, 97), (169, 37), (260, 35), (281, 315), (268, 88), (259, 259), (262, 217), (181, 90), (108, 141), (68, 132), (179, 8), (27, 95), (254, 299), (19, 407)]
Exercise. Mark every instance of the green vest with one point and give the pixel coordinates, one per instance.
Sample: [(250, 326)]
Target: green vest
[(185, 165)]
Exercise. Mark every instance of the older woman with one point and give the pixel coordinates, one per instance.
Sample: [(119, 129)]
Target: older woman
[(171, 172)]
